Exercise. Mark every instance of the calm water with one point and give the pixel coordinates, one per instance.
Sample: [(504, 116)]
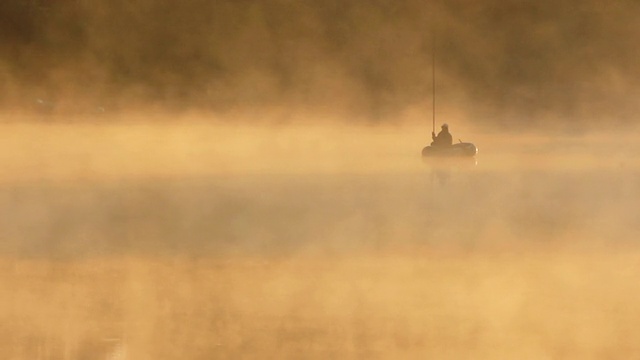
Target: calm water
[(531, 249)]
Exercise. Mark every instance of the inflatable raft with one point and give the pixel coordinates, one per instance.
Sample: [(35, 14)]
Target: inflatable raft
[(461, 149)]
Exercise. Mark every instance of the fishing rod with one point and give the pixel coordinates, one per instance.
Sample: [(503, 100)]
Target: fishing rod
[(433, 80)]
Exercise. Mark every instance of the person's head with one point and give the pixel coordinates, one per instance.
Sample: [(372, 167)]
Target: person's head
[(445, 127)]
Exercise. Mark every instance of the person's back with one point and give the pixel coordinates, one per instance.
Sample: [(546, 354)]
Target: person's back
[(444, 138)]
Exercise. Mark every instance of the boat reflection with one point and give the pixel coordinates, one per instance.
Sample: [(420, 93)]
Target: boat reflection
[(450, 162), (442, 168)]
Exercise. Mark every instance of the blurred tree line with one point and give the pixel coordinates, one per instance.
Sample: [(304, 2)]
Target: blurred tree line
[(499, 57)]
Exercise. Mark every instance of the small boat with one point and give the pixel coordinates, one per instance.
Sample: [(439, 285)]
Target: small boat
[(461, 149)]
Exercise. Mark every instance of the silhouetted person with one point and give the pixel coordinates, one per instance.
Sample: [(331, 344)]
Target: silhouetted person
[(444, 138)]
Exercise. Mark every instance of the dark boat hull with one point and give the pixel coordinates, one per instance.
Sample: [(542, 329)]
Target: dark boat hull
[(455, 150)]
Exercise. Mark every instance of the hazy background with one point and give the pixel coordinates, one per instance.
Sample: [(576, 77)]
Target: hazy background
[(498, 62)]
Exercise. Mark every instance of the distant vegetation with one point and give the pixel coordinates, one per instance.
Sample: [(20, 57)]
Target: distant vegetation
[(497, 58)]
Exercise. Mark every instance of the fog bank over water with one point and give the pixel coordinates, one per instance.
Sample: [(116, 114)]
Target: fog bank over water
[(137, 149), (288, 189), (192, 240), (508, 62)]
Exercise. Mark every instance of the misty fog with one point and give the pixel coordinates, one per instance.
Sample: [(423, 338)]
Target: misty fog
[(243, 179), (205, 240), (511, 63)]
